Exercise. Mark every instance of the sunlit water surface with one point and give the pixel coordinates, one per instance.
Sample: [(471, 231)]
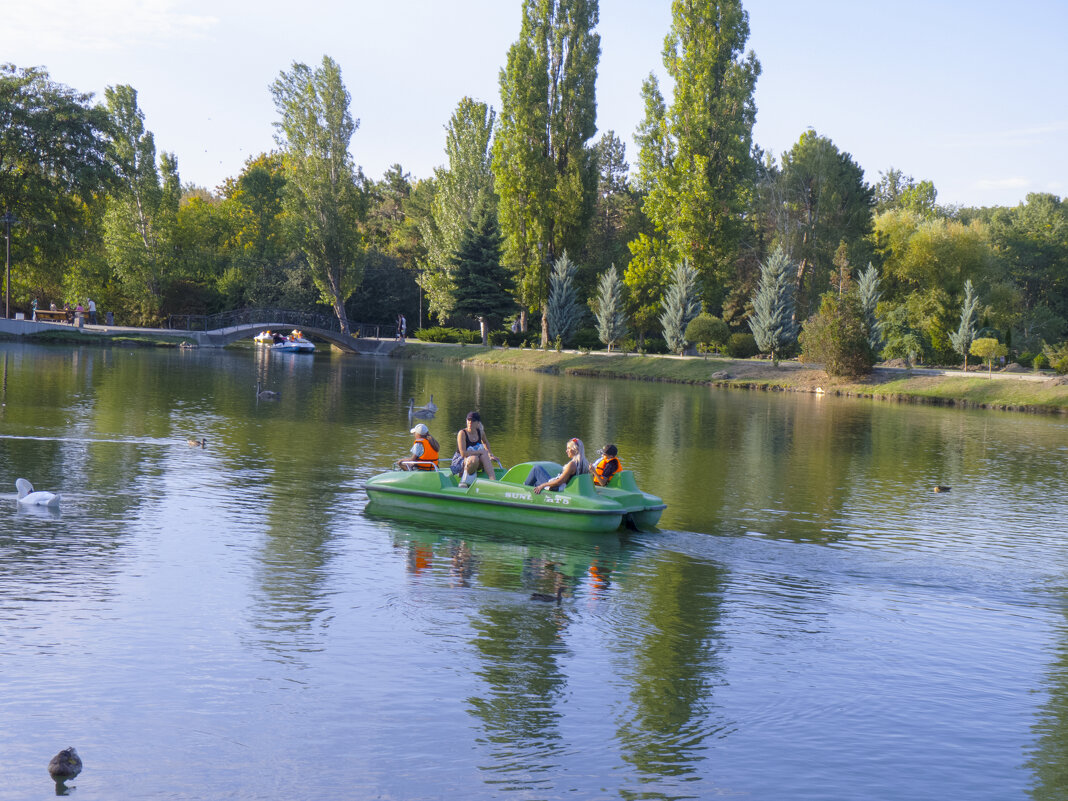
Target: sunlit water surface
[(811, 622)]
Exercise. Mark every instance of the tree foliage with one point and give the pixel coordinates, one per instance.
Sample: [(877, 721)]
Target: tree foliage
[(324, 189), (53, 171), (564, 309), (546, 174), (706, 329), (965, 333), (988, 349), (837, 337), (141, 218), (772, 322), (695, 161), (681, 304), (607, 307), (869, 296), (461, 189), (483, 286)]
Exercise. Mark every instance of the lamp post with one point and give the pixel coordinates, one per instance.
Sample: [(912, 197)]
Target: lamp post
[(7, 220)]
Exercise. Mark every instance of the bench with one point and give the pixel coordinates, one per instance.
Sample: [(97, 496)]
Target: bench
[(53, 316)]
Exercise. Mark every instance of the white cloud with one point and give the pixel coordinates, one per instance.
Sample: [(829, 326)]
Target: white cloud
[(100, 25)]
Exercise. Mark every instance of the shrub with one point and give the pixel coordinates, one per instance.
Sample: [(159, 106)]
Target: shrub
[(435, 334), (1058, 357), (742, 346), (837, 337), (1040, 362), (586, 338), (704, 329)]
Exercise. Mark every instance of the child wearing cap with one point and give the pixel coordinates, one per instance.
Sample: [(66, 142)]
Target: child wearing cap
[(605, 467), (424, 452)]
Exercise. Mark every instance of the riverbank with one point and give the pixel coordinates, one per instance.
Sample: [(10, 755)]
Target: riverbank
[(1003, 391)]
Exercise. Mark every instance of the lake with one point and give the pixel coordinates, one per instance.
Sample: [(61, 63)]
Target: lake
[(811, 621)]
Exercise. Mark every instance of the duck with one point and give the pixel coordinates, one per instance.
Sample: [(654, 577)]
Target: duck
[(544, 596), (940, 488), (265, 394), (28, 497), (197, 443), (65, 765), (421, 413)]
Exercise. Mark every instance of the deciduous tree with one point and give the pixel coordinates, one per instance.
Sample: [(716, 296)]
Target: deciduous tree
[(695, 161), (546, 173), (324, 190)]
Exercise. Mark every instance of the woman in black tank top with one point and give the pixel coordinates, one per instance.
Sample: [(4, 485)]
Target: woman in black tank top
[(472, 451)]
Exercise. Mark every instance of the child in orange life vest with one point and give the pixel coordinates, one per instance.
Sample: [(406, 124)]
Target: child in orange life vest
[(605, 467), (424, 452)]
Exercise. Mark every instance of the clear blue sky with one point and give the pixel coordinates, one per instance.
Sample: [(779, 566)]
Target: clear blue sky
[(970, 95)]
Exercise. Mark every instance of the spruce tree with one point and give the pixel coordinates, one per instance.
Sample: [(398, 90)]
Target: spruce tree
[(608, 308), (564, 310), (772, 323), (483, 286), (681, 304), (868, 290), (962, 340)]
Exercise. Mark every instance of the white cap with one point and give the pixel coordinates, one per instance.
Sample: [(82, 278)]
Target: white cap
[(421, 430)]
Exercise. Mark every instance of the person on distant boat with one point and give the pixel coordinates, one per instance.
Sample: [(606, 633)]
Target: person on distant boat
[(605, 467), (576, 466), (277, 338), (424, 452), (473, 451)]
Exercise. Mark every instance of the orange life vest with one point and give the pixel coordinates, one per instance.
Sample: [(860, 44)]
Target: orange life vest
[(601, 466), (429, 459)]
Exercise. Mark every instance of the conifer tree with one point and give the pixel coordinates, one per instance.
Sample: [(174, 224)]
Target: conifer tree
[(483, 286), (608, 308), (772, 323), (868, 290), (681, 304), (564, 310), (962, 339)]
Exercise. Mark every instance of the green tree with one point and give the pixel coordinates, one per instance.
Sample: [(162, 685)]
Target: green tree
[(989, 349), (53, 172), (707, 330), (695, 161), (772, 322), (483, 286), (607, 306), (461, 189), (324, 190), (826, 202), (869, 295), (896, 190), (962, 339), (564, 310), (141, 218), (681, 304), (644, 279), (836, 337), (546, 174), (617, 217)]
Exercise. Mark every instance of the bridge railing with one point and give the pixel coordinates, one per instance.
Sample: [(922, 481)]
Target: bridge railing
[(287, 317)]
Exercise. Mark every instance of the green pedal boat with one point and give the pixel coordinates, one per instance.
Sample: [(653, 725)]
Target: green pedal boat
[(580, 506)]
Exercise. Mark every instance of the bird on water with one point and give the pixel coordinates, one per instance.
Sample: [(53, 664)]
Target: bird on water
[(65, 765)]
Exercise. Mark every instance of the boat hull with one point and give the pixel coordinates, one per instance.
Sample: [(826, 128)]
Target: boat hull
[(579, 507)]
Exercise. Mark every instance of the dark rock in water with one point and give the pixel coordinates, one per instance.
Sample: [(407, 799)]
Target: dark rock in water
[(65, 765)]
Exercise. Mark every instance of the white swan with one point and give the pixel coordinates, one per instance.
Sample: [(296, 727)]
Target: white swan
[(28, 497)]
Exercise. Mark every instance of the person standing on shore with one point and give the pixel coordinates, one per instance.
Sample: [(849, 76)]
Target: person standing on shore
[(92, 311)]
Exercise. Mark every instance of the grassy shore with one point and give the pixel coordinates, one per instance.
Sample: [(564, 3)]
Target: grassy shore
[(76, 337), (978, 391)]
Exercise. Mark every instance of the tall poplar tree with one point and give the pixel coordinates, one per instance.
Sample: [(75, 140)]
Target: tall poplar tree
[(695, 162), (142, 210), (324, 188), (463, 188), (546, 173)]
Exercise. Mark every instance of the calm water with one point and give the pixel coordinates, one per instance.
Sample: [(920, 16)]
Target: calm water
[(811, 622)]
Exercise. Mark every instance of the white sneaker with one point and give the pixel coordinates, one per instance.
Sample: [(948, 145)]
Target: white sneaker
[(463, 485)]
